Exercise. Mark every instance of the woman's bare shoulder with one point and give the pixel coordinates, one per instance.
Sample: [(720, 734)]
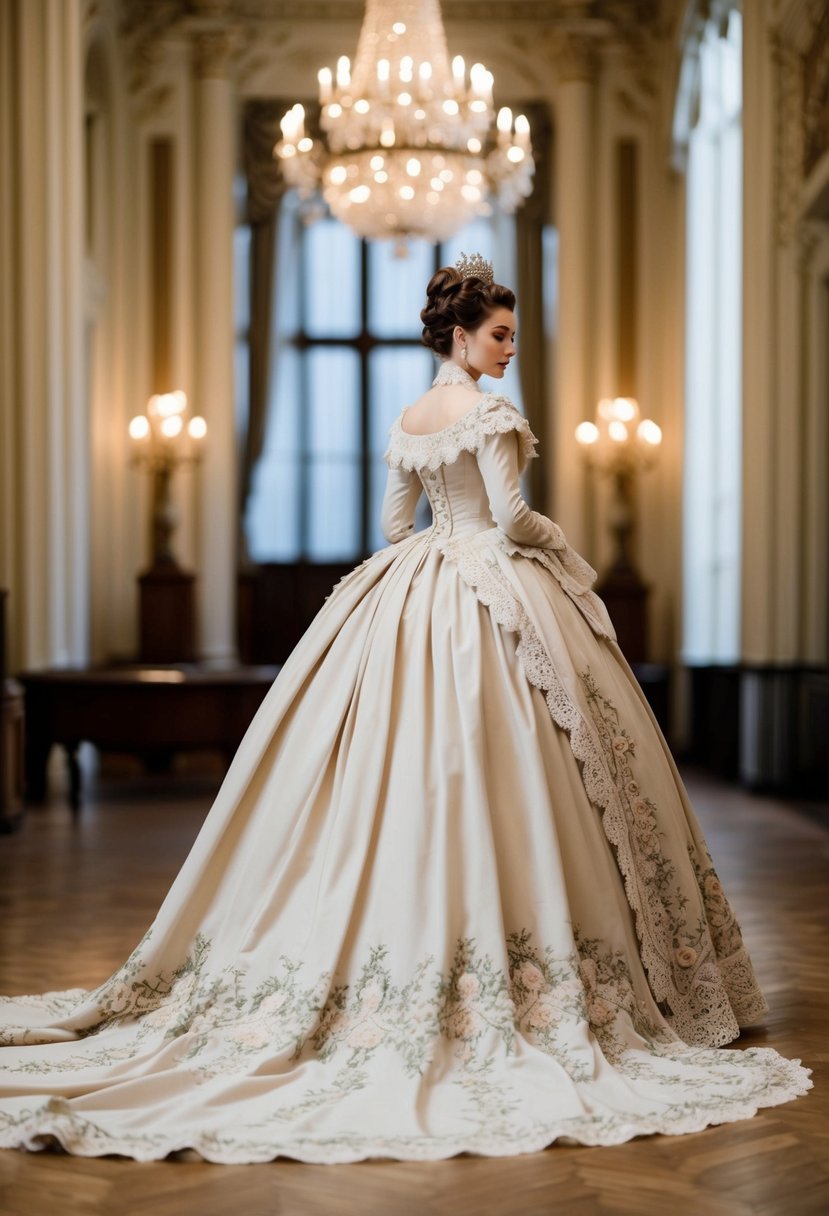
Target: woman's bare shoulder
[(440, 407)]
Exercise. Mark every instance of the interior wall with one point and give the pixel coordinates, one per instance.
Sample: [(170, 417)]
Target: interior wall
[(156, 81)]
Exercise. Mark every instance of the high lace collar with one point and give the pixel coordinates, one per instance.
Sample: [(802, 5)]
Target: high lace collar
[(453, 373)]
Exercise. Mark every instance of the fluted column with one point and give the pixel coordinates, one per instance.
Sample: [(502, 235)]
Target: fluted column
[(44, 434), (574, 144), (214, 344)]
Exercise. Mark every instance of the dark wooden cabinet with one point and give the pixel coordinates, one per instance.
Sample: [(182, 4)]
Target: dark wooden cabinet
[(151, 712), (11, 738)]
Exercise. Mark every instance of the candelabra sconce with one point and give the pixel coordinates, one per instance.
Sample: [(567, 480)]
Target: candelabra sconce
[(162, 441), (620, 445)]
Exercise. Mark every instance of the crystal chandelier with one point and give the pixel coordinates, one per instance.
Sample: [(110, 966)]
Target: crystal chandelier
[(408, 145)]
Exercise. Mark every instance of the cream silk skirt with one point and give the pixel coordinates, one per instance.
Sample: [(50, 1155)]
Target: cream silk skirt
[(450, 897)]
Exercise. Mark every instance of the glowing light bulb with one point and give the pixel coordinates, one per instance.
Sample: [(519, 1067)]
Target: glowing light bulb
[(617, 431), (587, 433), (197, 427), (171, 426), (139, 427), (624, 408), (326, 80), (649, 432)]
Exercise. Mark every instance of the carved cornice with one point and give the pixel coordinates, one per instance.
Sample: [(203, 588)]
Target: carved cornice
[(816, 95), (788, 138), (622, 16), (801, 58), (214, 51), (575, 54)]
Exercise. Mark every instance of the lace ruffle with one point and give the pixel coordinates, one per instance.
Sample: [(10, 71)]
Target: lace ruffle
[(493, 415), (715, 992), (575, 575)]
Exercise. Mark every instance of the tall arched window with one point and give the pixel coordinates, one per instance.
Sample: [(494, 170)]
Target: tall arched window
[(712, 484)]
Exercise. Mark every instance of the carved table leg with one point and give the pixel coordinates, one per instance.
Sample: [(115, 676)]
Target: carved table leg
[(74, 768)]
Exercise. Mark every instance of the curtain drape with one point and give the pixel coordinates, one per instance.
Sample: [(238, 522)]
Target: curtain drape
[(265, 189), (531, 220)]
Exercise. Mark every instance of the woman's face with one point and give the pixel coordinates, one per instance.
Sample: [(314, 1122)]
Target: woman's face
[(490, 347)]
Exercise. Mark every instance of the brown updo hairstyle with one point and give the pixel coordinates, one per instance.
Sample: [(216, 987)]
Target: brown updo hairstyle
[(454, 300)]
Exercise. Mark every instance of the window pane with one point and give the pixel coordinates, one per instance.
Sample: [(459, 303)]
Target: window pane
[(397, 377), (283, 433), (333, 402), (331, 281), (397, 288), (241, 363), (241, 277), (333, 510), (272, 523)]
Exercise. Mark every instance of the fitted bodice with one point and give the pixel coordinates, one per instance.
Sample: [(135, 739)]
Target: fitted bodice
[(447, 462), (457, 497)]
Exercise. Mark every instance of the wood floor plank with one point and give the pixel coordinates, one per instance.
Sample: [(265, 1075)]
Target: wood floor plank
[(76, 897)]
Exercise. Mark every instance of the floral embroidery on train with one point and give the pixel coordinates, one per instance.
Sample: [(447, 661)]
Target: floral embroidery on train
[(475, 1008), (700, 940)]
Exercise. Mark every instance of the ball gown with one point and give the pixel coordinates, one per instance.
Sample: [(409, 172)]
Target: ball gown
[(451, 895)]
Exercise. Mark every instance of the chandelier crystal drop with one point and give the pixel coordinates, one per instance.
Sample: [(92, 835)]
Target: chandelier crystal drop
[(411, 144)]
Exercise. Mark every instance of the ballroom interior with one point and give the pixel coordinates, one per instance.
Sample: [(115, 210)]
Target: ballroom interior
[(670, 255)]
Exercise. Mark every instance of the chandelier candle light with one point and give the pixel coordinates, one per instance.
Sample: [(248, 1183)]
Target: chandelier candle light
[(409, 148)]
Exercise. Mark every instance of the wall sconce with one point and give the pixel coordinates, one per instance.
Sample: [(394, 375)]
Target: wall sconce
[(620, 444), (162, 441)]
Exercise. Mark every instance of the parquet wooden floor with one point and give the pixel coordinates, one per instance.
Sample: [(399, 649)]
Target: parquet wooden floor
[(76, 897)]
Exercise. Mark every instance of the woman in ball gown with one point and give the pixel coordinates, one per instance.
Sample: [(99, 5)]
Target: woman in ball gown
[(451, 896)]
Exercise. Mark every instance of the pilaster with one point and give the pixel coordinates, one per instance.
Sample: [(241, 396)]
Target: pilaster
[(215, 395), (576, 66)]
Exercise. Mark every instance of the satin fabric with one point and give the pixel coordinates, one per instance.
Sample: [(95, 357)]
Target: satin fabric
[(450, 897)]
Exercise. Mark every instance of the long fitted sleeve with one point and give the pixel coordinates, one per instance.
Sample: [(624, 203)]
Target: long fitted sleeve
[(397, 517), (498, 463)]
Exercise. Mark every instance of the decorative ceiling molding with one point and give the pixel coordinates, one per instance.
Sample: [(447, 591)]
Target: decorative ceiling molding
[(619, 17), (572, 36)]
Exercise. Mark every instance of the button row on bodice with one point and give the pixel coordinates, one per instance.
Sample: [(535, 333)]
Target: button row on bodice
[(438, 500)]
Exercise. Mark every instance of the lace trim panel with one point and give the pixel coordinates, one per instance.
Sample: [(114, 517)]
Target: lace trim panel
[(699, 993), (493, 415)]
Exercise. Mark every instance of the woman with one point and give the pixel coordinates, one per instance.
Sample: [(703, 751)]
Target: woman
[(451, 895)]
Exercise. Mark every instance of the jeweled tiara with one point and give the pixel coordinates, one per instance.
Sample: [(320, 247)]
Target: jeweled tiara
[(474, 266)]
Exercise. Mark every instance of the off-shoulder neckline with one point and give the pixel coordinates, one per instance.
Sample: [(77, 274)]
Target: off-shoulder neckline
[(443, 430)]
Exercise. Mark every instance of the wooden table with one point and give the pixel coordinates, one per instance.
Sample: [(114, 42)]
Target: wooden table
[(151, 712)]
